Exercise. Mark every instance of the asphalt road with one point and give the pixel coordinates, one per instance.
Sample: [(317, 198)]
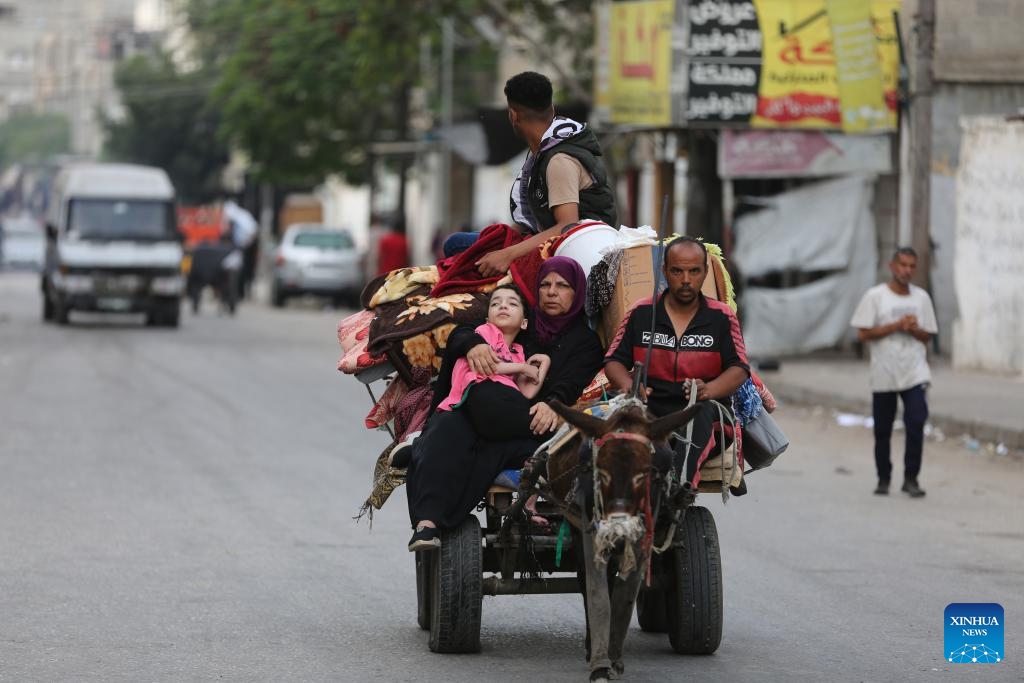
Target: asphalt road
[(176, 505)]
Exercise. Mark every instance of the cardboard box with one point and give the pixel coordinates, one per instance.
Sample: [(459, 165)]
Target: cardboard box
[(635, 281)]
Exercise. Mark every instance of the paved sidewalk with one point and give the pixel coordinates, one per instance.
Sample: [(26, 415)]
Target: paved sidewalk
[(988, 407)]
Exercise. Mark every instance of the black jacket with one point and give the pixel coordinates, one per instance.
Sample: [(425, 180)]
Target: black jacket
[(597, 202)]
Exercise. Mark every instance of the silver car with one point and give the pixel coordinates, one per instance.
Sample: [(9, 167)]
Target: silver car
[(22, 243), (316, 259)]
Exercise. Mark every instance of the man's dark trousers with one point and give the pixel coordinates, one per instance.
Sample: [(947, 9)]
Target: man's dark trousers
[(915, 414)]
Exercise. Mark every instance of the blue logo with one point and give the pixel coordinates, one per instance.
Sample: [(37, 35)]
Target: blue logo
[(974, 633)]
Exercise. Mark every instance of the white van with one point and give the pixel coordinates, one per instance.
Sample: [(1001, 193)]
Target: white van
[(112, 244)]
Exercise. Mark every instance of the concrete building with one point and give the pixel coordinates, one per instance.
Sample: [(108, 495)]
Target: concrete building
[(978, 69), (59, 55)]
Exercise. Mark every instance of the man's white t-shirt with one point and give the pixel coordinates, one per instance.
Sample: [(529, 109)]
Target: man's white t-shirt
[(898, 361)]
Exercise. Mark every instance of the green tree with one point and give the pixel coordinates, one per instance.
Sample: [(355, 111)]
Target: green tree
[(170, 122), (306, 86), (33, 137)]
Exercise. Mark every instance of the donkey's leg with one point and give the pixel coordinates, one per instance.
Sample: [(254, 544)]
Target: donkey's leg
[(581, 578), (598, 609), (623, 600)]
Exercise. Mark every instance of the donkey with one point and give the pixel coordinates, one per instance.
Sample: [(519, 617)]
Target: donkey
[(609, 503)]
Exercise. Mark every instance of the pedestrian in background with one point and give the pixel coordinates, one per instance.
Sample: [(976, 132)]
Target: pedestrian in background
[(393, 249), (244, 232), (896, 319)]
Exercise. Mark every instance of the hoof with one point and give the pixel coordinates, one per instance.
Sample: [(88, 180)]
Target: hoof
[(601, 675), (617, 669)]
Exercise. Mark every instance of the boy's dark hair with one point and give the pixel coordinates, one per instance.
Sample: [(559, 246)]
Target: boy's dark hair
[(682, 239), (529, 90), (518, 292), (904, 251)]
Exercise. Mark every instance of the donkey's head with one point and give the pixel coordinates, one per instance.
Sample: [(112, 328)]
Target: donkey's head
[(624, 451), (623, 463)]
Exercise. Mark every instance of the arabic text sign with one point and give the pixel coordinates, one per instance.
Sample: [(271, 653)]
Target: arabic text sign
[(775, 64)]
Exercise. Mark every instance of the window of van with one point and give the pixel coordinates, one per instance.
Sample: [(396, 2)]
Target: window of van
[(324, 240), (107, 219)]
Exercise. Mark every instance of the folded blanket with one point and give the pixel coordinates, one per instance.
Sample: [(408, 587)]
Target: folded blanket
[(459, 273), (354, 329), (353, 336), (413, 333), (398, 284)]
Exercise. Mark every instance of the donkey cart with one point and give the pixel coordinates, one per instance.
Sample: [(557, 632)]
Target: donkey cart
[(593, 527), (683, 600)]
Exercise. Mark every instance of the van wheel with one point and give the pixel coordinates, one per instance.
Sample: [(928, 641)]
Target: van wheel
[(47, 308), (277, 297), (61, 312)]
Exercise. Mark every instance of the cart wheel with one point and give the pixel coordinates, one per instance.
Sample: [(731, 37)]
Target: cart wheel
[(456, 590), (650, 602), (694, 594), (423, 563)]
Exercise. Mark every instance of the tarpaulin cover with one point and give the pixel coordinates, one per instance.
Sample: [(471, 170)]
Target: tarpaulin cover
[(822, 227)]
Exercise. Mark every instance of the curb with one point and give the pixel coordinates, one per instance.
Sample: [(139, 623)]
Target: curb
[(950, 425)]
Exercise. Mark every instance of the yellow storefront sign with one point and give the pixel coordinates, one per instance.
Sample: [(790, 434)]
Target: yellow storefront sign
[(858, 67), (641, 62), (808, 80)]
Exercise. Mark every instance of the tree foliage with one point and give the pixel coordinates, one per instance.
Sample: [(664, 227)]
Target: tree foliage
[(171, 123), (33, 137), (306, 86)]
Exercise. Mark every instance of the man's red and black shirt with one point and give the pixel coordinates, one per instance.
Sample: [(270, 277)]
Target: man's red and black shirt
[(711, 344)]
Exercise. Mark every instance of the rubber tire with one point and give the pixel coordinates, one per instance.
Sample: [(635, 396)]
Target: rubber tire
[(48, 309), (694, 595), (171, 316), (456, 588), (277, 297), (61, 312), (424, 560)]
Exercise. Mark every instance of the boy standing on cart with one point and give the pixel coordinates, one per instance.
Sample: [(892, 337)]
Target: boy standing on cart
[(563, 179)]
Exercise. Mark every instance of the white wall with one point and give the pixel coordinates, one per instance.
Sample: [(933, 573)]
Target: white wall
[(989, 330), (491, 188), (347, 207)]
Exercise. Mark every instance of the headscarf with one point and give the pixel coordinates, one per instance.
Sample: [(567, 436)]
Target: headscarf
[(549, 327)]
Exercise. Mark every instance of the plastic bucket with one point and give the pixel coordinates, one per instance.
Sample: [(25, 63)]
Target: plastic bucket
[(584, 244)]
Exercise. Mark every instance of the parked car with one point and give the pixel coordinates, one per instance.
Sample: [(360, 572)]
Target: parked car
[(316, 259), (22, 242)]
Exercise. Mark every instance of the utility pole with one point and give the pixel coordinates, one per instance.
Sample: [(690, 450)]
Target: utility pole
[(920, 163), (447, 65)]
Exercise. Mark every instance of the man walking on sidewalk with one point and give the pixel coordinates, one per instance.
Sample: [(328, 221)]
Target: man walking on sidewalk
[(897, 320)]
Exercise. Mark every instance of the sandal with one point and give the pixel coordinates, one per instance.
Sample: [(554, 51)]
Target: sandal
[(426, 538)]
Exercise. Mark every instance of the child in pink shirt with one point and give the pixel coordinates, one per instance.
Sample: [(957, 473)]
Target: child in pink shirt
[(506, 317)]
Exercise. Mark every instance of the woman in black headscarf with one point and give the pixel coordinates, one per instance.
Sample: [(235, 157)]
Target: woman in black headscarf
[(461, 451)]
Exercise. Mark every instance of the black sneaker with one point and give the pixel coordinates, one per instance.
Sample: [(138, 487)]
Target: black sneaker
[(911, 488), (883, 487), (427, 538)]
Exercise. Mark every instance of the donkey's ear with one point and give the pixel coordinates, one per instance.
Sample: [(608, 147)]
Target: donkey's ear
[(588, 424), (663, 426)]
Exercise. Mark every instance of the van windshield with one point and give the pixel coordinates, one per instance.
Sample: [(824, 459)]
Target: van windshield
[(106, 219), (324, 240)]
